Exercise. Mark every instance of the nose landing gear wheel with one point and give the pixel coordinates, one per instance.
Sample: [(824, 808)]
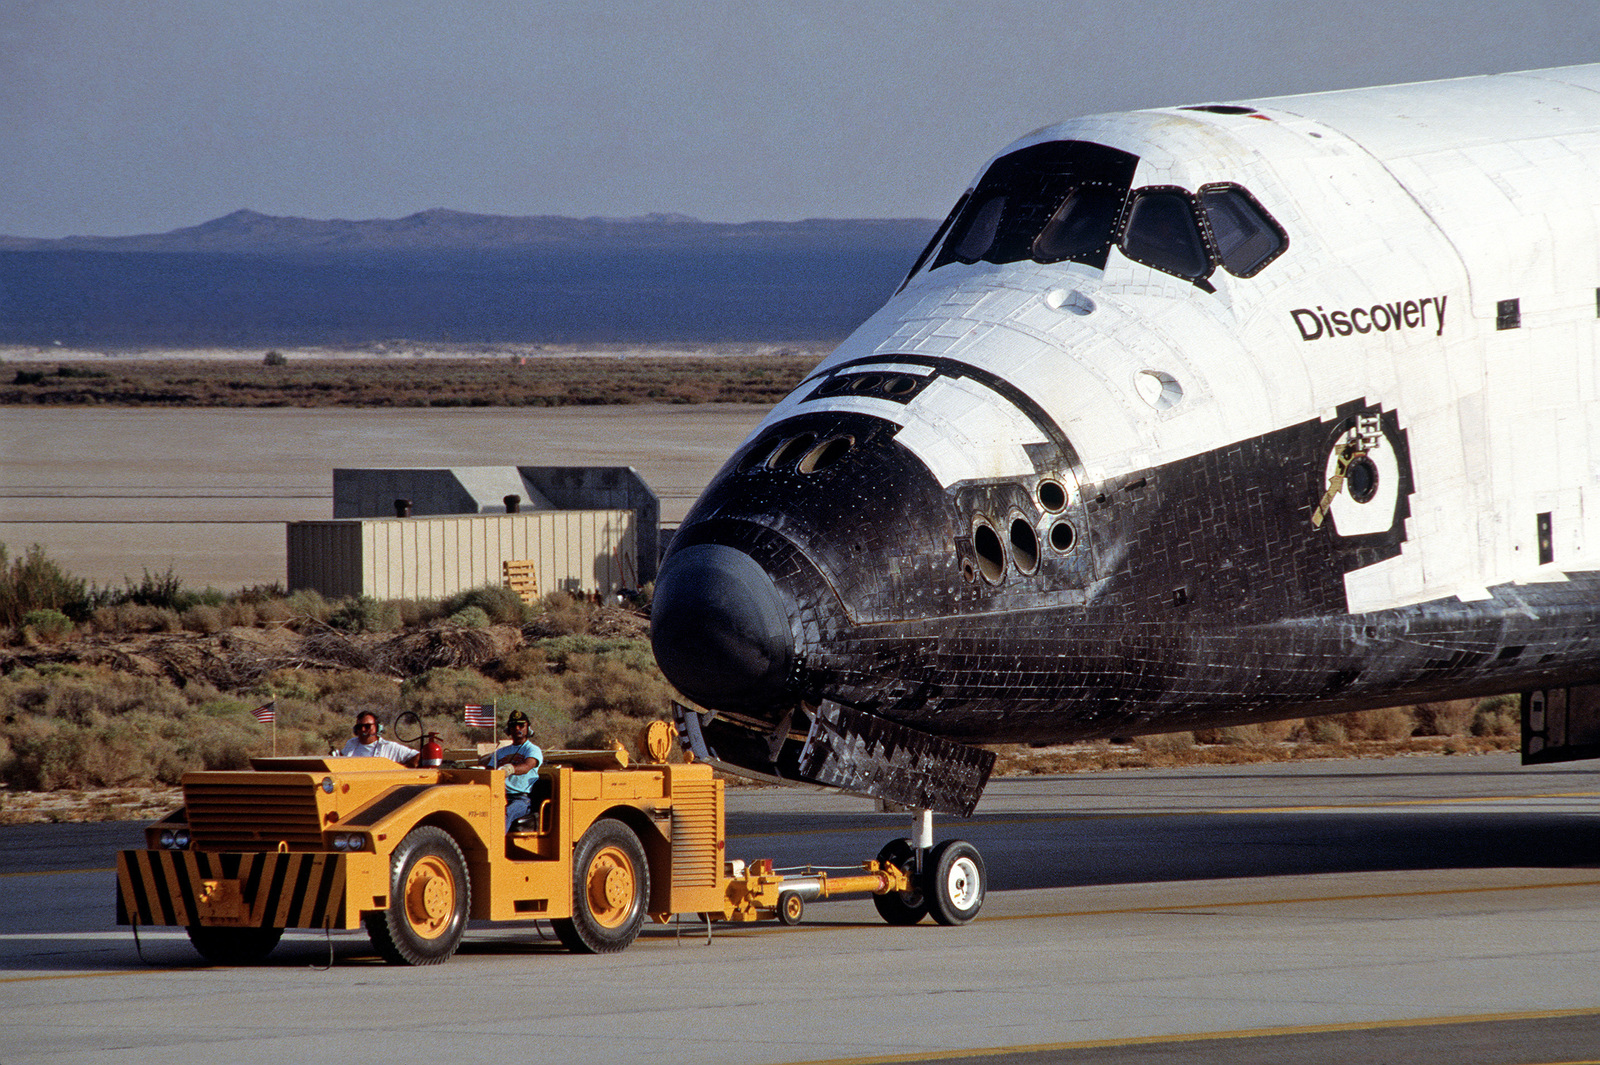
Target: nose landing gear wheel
[(954, 882), (900, 907)]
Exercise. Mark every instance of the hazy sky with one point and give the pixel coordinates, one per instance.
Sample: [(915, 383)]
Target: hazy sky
[(137, 116)]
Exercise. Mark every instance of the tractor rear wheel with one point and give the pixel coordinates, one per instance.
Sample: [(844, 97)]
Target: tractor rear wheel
[(610, 887)]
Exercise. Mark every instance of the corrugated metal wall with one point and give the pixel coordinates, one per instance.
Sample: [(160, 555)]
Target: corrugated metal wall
[(432, 557)]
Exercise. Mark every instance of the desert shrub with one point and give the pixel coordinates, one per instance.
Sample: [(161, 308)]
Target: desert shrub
[(1498, 715), (202, 619), (469, 617), (418, 611), (274, 358), (307, 605), (131, 617), (1326, 729), (36, 582), (332, 697), (500, 604), (363, 613), (1253, 735), (273, 612), (1452, 718), (1386, 723), (441, 693), (549, 725), (82, 727), (257, 594), (1165, 742), (603, 730), (523, 663), (46, 626), (156, 589), (609, 684), (577, 651), (237, 615), (560, 614)]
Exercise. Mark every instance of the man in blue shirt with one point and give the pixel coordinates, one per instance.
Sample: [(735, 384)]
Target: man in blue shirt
[(519, 760)]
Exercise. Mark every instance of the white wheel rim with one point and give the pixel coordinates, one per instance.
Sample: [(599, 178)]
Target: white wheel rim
[(961, 883)]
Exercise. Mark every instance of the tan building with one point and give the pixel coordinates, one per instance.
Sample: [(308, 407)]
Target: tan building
[(433, 557)]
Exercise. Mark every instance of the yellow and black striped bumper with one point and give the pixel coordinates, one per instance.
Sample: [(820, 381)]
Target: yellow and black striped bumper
[(268, 890)]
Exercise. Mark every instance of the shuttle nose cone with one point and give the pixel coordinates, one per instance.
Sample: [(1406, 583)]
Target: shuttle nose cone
[(719, 629)]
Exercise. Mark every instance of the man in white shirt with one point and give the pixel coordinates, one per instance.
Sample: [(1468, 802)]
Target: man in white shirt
[(368, 742)]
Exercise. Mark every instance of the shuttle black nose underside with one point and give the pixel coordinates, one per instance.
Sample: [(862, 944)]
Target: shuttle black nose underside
[(720, 630)]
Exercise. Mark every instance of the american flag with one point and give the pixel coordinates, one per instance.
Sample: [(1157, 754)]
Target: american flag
[(267, 714), (480, 717)]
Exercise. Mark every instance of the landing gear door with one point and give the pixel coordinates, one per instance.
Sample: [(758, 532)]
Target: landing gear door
[(1560, 725)]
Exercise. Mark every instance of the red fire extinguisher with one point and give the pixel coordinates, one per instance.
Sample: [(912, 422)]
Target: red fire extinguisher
[(432, 752)]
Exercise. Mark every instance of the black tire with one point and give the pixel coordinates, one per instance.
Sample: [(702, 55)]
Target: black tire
[(900, 907), (430, 896), (954, 882), (234, 946), (791, 907), (610, 887)]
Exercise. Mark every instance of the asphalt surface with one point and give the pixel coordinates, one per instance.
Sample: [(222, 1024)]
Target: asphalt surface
[(1420, 910)]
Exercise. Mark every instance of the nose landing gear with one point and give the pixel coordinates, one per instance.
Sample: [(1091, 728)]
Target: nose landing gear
[(950, 877)]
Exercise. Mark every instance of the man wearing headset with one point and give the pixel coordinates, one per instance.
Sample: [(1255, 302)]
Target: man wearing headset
[(368, 742), (520, 761)]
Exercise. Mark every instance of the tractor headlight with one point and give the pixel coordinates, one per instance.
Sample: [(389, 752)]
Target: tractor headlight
[(348, 841), (175, 839)]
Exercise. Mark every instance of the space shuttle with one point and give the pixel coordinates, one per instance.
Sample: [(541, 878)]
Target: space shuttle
[(1187, 417)]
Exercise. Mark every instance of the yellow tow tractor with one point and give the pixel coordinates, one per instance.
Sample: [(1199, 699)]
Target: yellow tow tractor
[(413, 854)]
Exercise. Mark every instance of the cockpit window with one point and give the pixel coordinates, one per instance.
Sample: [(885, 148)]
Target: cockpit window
[(1070, 201), (1163, 233), (976, 233), (1050, 202), (944, 227), (1081, 229), (1246, 236)]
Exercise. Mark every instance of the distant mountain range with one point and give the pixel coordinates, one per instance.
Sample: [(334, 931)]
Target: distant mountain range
[(440, 229), (248, 279)]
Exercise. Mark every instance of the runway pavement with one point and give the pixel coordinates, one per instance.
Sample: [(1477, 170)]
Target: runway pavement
[(1424, 910)]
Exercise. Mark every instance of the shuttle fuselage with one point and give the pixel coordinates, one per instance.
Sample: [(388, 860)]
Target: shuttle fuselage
[(1187, 417)]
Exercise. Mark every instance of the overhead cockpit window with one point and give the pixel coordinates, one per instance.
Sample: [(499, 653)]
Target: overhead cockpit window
[(1162, 232), (1051, 202), (1246, 236)]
